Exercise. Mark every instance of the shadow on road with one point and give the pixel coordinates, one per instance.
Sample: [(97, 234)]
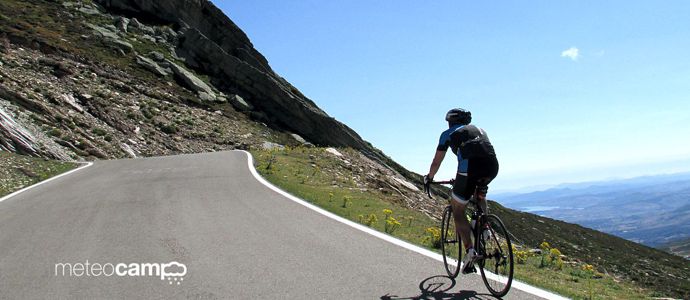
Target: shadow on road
[(436, 288)]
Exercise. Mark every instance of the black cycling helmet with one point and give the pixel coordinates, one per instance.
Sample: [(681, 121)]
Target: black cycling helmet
[(459, 116)]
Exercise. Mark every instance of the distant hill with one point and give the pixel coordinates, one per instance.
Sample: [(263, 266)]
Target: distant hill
[(678, 247), (651, 210), (643, 265)]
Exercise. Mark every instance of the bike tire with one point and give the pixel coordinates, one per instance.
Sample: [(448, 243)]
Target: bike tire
[(497, 252), (450, 243)]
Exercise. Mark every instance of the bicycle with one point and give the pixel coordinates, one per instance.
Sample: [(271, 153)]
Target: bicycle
[(491, 242)]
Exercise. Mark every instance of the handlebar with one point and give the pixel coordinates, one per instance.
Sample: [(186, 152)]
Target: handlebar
[(452, 181), (427, 188)]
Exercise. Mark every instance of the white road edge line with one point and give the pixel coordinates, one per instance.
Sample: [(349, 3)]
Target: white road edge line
[(88, 164), (428, 253)]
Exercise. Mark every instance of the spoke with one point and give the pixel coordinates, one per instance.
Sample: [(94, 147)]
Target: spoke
[(495, 249)]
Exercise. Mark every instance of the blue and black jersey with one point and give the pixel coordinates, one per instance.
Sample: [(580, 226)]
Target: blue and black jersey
[(466, 142)]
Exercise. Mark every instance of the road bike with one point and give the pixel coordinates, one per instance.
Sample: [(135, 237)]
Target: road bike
[(491, 242)]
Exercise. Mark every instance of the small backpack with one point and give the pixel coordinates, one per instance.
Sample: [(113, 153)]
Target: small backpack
[(472, 142)]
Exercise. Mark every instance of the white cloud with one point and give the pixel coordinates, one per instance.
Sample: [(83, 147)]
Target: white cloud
[(572, 53)]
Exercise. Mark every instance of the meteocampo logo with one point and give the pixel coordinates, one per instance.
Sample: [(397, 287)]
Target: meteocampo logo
[(173, 271)]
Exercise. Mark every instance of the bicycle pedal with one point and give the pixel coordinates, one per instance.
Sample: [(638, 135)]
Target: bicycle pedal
[(468, 271)]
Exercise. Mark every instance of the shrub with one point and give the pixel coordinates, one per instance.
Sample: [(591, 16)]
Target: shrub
[(554, 253), (169, 128), (545, 248), (371, 220), (555, 257), (521, 257), (346, 201), (391, 225), (98, 131), (55, 132), (271, 161), (589, 269), (147, 113), (316, 170), (433, 237)]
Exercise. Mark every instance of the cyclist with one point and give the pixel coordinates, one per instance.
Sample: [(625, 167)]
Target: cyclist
[(477, 165)]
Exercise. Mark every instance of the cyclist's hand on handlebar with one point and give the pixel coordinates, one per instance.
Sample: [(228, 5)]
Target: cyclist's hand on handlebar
[(427, 183), (428, 180)]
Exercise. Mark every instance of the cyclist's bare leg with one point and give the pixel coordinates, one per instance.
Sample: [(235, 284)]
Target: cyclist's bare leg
[(461, 224)]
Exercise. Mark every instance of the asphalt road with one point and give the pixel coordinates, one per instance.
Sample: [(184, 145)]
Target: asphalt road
[(237, 238)]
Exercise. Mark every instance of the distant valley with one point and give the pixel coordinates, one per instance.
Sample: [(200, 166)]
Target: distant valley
[(680, 247), (651, 210)]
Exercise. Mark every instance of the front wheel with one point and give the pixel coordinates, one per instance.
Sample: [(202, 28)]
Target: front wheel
[(450, 243), (496, 265)]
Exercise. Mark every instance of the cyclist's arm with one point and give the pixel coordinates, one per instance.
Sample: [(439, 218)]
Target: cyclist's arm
[(436, 163)]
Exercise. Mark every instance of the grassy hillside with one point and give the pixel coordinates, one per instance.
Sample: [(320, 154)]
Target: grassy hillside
[(351, 187), (641, 265), (18, 171)]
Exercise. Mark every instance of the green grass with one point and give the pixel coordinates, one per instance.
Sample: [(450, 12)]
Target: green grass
[(18, 171), (294, 171), (574, 282), (312, 174)]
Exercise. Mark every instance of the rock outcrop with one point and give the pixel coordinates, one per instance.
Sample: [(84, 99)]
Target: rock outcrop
[(152, 66), (111, 37), (212, 44), (192, 82), (239, 103), (14, 137)]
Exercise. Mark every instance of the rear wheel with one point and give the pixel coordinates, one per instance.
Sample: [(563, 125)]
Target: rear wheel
[(450, 243), (496, 265)]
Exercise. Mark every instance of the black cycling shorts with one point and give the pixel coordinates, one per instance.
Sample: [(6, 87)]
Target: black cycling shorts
[(477, 169)]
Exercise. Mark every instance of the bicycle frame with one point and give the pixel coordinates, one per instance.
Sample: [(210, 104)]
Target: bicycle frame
[(478, 213), (484, 221)]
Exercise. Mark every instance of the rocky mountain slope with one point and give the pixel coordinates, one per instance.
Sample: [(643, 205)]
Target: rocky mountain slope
[(192, 54), (76, 82), (111, 79), (210, 43)]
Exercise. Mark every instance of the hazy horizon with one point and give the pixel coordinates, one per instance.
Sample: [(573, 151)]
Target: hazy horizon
[(601, 181)]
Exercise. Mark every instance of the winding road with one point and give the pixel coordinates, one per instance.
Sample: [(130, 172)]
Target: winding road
[(237, 239)]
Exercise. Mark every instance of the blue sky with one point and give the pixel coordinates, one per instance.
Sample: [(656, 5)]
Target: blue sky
[(568, 91)]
